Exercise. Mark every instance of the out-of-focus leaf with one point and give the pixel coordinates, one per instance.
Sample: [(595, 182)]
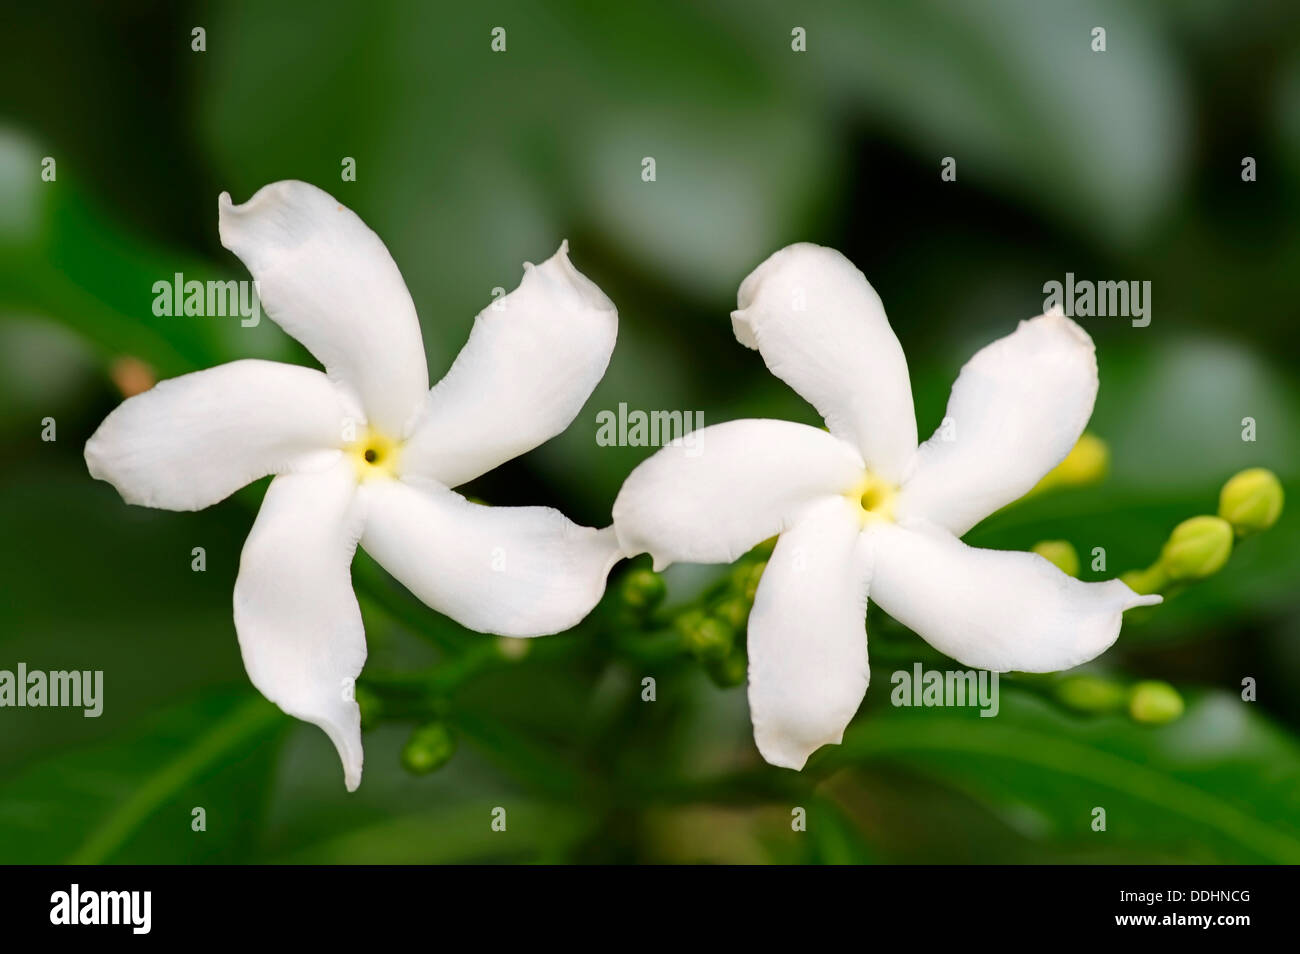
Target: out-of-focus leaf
[(452, 834), (92, 583), (1286, 103), (45, 370), (131, 798), (1219, 785), (62, 257), (1011, 89), (422, 83), (1172, 412)]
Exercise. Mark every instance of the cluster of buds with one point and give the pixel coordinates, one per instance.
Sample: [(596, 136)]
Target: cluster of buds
[(642, 591), (712, 629), (1150, 701), (714, 634), (1249, 503)]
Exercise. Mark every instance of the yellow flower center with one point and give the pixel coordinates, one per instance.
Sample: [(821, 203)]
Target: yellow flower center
[(875, 498), (374, 455)]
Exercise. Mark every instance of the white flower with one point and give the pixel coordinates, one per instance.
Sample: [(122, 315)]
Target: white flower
[(863, 509), (366, 453)]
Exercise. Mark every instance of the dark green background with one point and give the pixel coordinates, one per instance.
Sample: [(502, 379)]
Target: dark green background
[(1117, 165)]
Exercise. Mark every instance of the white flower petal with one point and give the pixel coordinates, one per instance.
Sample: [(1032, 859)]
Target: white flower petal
[(994, 609), (327, 279), (513, 571), (1017, 408), (808, 665), (711, 496), (191, 441), (821, 328), (298, 621), (532, 360)]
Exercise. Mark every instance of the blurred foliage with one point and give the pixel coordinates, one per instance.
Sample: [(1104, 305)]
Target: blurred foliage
[(1122, 165)]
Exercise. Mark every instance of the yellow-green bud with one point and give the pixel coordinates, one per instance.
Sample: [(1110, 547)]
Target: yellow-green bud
[(643, 590), (1251, 501), (733, 611), (706, 637), (1061, 554), (1086, 463), (1197, 548), (728, 671), (1091, 694), (430, 747), (514, 648), (1155, 703)]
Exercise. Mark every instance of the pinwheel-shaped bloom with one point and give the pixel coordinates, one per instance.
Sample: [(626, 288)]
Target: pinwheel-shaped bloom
[(367, 453), (863, 509)]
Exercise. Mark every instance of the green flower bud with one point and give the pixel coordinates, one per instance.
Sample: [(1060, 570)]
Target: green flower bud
[(1060, 553), (1251, 501), (642, 590), (728, 671), (708, 638), (1155, 703), (1091, 694), (1197, 548), (733, 611), (1086, 463), (430, 747), (514, 648)]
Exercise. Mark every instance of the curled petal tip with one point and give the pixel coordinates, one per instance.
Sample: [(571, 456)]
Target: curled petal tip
[(559, 270), (1056, 319), (804, 251), (743, 329)]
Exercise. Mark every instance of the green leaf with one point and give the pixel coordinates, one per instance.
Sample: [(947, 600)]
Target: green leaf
[(1011, 89), (1219, 785), (131, 798), (64, 259), (453, 834)]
